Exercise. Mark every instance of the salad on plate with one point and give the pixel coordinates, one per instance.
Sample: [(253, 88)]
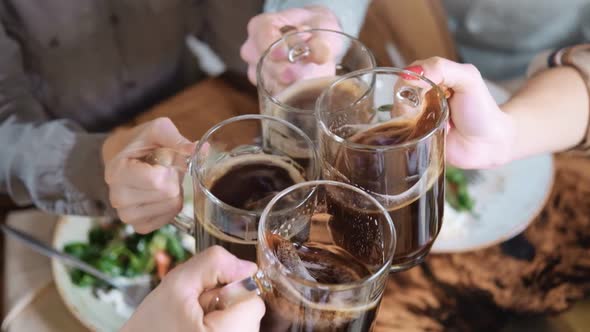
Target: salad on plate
[(113, 248)]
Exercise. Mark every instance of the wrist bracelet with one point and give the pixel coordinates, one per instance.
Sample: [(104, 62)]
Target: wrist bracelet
[(577, 57)]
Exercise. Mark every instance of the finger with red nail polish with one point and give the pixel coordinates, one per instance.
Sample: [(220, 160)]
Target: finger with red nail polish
[(415, 69)]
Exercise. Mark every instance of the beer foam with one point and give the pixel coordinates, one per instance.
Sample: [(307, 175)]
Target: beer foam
[(221, 169), (226, 165)]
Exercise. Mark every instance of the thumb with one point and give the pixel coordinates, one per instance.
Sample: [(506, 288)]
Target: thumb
[(242, 316), (158, 133), (212, 267), (162, 132)]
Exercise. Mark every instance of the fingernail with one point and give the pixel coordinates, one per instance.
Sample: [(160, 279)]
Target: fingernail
[(415, 69)]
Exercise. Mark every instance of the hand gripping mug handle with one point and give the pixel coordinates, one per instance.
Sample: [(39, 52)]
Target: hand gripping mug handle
[(170, 158), (235, 292), (217, 298)]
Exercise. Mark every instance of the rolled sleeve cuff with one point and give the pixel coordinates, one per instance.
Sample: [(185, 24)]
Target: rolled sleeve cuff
[(59, 169), (84, 172)]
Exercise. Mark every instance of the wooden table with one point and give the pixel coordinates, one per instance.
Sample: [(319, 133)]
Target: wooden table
[(542, 271), (202, 106)]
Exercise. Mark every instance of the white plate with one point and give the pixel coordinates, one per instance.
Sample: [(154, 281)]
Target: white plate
[(507, 199), (95, 314)]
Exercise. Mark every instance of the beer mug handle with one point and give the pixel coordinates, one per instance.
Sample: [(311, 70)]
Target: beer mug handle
[(170, 158), (184, 223), (298, 48), (235, 292)]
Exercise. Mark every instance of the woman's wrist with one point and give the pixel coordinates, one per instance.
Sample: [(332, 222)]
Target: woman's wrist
[(515, 141), (550, 113), (508, 148)]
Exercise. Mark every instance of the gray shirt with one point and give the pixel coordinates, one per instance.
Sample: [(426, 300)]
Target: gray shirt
[(70, 70), (501, 37)]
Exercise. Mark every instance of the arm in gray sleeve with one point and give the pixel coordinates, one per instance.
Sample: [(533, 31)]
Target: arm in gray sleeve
[(350, 13), (52, 164)]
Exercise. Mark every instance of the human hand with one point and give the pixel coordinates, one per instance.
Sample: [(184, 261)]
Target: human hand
[(145, 196), (481, 134), (264, 29), (174, 304)]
